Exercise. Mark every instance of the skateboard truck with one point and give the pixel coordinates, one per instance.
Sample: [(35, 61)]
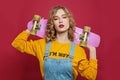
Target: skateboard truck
[(35, 27), (91, 38), (84, 37)]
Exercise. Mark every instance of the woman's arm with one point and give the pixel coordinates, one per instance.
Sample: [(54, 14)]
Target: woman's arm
[(22, 44), (88, 68)]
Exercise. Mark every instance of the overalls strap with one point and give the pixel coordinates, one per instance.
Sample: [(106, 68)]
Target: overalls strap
[(47, 49), (72, 50)]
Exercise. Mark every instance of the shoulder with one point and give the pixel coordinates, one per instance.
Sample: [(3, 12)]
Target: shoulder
[(41, 41), (79, 48), (79, 52)]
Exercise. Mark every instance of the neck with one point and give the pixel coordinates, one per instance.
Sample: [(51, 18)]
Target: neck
[(63, 37)]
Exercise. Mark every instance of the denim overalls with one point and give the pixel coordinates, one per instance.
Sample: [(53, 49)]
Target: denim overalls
[(58, 69)]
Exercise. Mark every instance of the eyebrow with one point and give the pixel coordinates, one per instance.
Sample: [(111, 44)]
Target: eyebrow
[(62, 15)]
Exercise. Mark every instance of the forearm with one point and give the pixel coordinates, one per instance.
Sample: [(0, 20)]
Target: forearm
[(92, 53), (20, 40)]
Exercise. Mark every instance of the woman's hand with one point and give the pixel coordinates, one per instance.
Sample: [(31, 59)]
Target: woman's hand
[(28, 31), (92, 51)]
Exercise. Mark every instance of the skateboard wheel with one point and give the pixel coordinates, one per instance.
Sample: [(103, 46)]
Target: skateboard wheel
[(36, 18), (86, 29), (83, 44), (33, 32)]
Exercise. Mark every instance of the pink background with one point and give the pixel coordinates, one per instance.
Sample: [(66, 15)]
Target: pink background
[(101, 15)]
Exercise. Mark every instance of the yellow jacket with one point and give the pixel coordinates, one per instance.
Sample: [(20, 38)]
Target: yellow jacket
[(87, 68)]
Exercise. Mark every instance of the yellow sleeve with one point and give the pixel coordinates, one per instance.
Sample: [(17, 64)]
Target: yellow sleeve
[(23, 45), (87, 68)]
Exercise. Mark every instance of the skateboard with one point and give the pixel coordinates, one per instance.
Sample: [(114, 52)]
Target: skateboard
[(93, 39)]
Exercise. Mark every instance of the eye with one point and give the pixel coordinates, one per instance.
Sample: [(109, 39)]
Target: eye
[(64, 17), (55, 18)]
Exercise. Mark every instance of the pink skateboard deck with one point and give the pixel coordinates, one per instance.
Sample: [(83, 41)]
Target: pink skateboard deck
[(92, 40)]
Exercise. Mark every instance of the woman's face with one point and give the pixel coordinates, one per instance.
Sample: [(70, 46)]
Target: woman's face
[(61, 21)]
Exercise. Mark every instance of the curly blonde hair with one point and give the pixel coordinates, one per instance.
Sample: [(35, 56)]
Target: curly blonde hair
[(51, 32)]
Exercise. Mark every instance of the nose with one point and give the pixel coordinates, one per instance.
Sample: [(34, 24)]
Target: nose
[(60, 20)]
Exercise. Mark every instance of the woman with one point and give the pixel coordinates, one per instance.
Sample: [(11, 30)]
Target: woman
[(60, 58)]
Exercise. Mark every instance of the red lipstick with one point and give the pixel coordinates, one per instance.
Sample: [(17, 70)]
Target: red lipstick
[(61, 26)]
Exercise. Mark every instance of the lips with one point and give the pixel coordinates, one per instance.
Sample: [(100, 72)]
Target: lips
[(61, 26)]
